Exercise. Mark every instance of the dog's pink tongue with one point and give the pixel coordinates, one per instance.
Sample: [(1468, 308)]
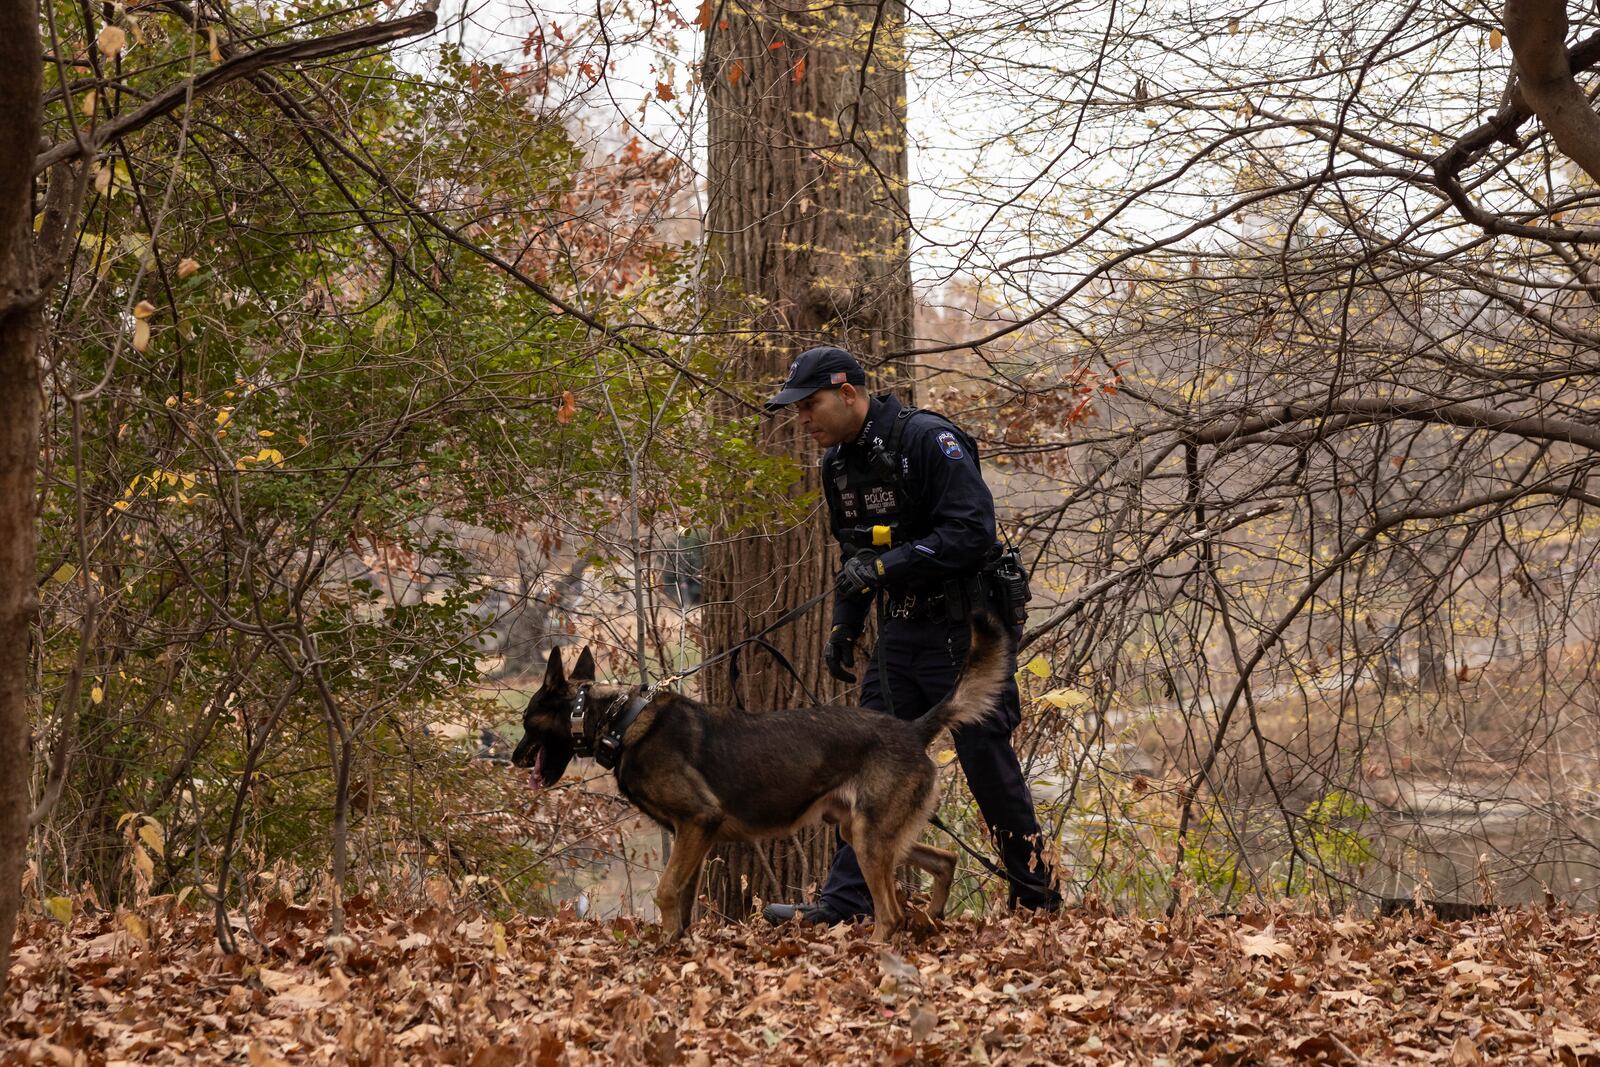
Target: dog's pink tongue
[(537, 773)]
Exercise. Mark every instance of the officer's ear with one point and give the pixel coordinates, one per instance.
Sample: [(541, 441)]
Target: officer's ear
[(848, 392)]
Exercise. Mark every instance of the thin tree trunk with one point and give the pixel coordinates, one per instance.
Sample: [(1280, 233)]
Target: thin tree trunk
[(21, 82), (805, 222)]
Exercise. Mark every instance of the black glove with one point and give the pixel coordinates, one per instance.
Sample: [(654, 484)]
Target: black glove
[(860, 574), (840, 653)]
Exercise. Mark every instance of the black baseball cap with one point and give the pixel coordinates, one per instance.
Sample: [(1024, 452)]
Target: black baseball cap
[(818, 368)]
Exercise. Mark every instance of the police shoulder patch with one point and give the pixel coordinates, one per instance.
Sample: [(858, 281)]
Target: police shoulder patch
[(949, 445)]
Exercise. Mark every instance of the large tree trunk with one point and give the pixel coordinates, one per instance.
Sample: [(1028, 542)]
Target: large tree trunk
[(805, 224), (21, 81)]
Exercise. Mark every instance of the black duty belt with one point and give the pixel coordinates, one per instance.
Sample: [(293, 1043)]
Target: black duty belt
[(915, 606)]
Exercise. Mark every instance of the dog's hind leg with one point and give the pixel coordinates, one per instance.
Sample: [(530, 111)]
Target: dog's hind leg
[(941, 864), (675, 893)]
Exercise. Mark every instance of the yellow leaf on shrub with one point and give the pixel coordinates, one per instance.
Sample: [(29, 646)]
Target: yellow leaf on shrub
[(141, 335), (1065, 698), (186, 267), (150, 833), (96, 695), (500, 948), (60, 908), (142, 863), (1038, 666), (143, 309), (88, 102)]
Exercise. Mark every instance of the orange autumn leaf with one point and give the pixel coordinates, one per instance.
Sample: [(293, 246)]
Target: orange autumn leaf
[(702, 18), (800, 71), (569, 407), (735, 72), (664, 91)]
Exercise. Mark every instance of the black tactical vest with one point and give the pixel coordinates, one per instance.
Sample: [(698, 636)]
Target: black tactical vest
[(872, 478)]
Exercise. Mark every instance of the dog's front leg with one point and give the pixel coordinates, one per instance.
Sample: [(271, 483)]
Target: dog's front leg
[(688, 894), (676, 890)]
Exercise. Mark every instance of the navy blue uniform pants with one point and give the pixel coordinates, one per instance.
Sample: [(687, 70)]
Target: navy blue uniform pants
[(913, 668)]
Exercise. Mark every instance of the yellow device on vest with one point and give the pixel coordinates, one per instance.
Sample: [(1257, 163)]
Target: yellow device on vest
[(881, 536)]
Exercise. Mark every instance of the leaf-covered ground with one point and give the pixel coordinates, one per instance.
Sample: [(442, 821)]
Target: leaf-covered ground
[(438, 986)]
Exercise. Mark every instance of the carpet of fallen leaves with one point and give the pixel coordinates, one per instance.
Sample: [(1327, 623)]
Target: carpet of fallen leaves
[(440, 985)]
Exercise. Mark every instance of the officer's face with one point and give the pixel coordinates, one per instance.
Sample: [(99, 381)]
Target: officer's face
[(832, 416)]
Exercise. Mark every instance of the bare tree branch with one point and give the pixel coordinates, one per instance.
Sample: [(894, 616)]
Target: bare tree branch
[(1538, 33)]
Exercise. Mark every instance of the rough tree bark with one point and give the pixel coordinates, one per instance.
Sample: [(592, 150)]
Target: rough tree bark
[(806, 232), (21, 82)]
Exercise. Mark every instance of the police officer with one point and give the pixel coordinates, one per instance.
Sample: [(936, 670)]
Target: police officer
[(916, 523)]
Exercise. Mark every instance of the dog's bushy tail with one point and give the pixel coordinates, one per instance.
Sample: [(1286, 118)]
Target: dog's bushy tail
[(983, 676)]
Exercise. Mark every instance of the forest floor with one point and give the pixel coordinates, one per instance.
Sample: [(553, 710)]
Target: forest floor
[(451, 985)]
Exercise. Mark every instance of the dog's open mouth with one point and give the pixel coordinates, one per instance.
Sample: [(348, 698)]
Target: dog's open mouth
[(536, 772)]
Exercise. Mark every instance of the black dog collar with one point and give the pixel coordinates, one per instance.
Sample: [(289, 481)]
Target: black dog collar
[(576, 721), (608, 750), (608, 728)]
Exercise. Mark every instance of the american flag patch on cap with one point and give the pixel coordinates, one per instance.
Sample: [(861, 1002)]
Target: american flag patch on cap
[(838, 377)]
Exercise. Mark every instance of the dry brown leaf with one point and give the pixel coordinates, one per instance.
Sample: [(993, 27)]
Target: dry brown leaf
[(111, 40), (1265, 945)]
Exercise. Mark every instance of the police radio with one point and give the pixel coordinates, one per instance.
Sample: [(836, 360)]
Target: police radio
[(884, 463), (1010, 584)]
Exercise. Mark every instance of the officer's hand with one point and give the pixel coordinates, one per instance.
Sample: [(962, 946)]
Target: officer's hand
[(861, 574), (840, 654)]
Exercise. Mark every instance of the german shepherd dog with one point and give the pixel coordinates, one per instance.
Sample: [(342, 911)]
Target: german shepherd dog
[(711, 774)]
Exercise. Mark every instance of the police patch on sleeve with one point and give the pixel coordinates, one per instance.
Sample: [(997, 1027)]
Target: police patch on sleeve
[(949, 445)]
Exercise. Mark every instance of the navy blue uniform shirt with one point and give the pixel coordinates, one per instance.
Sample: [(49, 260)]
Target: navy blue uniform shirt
[(947, 524)]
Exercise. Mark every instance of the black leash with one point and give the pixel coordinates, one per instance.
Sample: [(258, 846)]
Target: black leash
[(759, 638), (988, 864)]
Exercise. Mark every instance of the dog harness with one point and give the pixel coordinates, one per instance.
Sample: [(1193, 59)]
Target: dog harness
[(608, 727)]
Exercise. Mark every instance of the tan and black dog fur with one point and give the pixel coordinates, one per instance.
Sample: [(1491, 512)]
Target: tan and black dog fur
[(710, 774)]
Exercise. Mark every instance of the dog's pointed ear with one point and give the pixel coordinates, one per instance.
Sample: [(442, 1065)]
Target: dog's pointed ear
[(554, 676), (583, 670)]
